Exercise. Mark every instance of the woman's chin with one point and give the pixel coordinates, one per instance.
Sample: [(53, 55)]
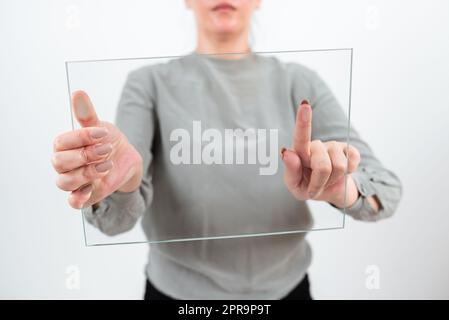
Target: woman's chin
[(226, 26), (226, 30)]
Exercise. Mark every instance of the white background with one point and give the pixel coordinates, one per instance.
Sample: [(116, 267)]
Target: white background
[(400, 105)]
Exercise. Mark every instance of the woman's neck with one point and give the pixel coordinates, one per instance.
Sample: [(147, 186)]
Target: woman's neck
[(221, 44)]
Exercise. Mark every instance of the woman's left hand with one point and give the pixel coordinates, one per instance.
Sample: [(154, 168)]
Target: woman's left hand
[(316, 169)]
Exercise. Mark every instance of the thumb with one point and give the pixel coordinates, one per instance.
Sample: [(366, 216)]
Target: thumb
[(83, 110), (293, 168)]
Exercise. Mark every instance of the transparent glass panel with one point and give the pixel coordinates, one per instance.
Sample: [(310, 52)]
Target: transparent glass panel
[(219, 122)]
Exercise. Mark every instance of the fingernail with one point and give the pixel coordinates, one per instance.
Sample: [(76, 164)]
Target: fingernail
[(282, 152), (312, 194), (82, 108), (86, 189), (305, 101), (97, 133), (101, 150), (104, 166)]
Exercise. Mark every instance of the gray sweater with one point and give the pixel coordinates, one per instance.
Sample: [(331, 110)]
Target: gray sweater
[(177, 200)]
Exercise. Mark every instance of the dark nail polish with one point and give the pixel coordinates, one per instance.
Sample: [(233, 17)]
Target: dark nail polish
[(305, 101), (86, 189), (104, 166), (282, 153), (103, 149), (98, 133)]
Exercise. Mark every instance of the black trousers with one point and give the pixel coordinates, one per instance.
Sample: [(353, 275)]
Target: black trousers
[(300, 292)]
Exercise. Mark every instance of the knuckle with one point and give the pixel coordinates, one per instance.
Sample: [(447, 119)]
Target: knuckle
[(89, 173), (323, 167), (338, 146), (354, 152), (353, 164), (63, 182), (58, 183), (59, 163), (57, 143), (333, 145), (339, 168), (72, 202), (55, 161), (84, 157), (84, 136), (356, 155)]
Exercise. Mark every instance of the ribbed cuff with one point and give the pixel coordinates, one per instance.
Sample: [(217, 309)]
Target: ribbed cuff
[(361, 209), (129, 202)]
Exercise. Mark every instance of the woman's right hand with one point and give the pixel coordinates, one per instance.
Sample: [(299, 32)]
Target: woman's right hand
[(96, 160)]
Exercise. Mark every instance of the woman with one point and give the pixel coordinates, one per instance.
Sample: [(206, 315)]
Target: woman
[(118, 173)]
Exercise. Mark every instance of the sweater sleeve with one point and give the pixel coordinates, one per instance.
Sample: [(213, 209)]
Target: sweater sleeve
[(135, 117), (330, 123)]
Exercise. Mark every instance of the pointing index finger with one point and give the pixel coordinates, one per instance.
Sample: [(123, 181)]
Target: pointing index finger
[(303, 132)]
